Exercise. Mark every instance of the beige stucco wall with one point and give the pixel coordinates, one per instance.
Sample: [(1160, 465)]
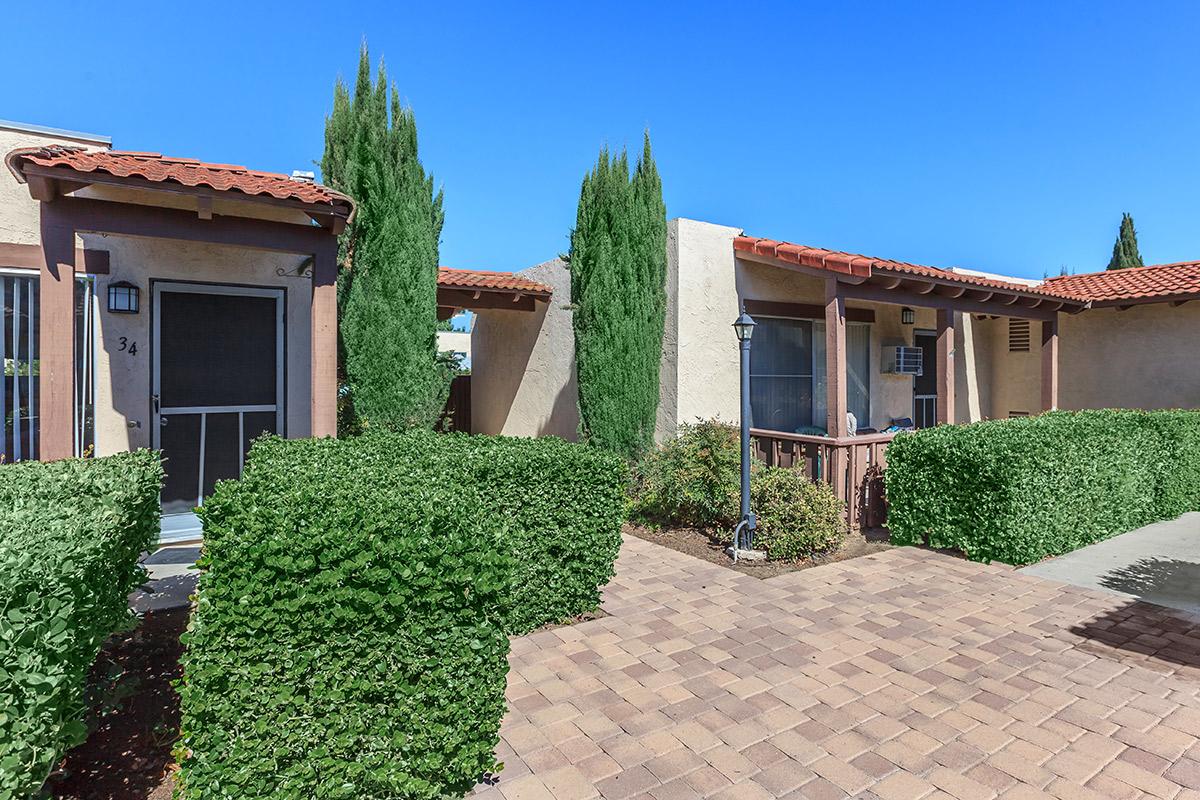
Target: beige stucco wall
[(523, 365), (18, 211), (1144, 357), (123, 381), (455, 342)]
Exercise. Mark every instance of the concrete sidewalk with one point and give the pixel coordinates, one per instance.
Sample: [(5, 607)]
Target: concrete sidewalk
[(1159, 563), (172, 580)]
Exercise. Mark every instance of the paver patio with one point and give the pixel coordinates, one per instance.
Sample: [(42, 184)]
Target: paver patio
[(904, 674)]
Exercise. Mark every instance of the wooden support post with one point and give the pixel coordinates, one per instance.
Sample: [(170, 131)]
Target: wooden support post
[(836, 404), (324, 341), (56, 338), (1050, 364), (945, 366)]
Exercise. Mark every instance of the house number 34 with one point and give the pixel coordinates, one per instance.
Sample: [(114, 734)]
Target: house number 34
[(128, 346)]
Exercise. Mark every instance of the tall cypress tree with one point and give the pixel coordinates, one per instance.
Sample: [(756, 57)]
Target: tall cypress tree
[(618, 276), (388, 295), (1125, 249)]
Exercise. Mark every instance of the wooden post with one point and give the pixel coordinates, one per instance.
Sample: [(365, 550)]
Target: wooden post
[(836, 403), (945, 366), (56, 338), (324, 341), (1050, 364)]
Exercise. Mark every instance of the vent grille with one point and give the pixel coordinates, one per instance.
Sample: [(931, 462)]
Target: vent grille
[(1018, 336)]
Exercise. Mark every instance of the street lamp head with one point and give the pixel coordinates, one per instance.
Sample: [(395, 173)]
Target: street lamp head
[(743, 326)]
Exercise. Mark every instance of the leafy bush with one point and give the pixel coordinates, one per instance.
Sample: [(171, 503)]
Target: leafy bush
[(70, 535), (692, 479), (1020, 490), (796, 517), (350, 635)]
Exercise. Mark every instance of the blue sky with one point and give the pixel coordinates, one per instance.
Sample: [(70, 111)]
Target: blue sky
[(999, 136)]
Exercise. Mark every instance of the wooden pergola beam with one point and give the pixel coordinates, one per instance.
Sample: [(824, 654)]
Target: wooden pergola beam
[(1050, 364), (945, 366)]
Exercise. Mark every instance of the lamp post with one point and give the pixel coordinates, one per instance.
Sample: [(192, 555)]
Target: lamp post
[(744, 328)]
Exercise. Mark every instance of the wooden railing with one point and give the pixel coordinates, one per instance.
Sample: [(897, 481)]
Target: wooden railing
[(852, 465)]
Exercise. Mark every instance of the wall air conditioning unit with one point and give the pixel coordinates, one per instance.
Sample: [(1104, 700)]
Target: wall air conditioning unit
[(903, 360)]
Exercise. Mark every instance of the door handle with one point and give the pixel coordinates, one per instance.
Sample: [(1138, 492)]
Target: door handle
[(154, 400)]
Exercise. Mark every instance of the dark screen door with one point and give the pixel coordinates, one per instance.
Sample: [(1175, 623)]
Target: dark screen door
[(925, 384), (217, 384)]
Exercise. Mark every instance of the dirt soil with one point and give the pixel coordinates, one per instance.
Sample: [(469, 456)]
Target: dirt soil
[(128, 755), (710, 546)]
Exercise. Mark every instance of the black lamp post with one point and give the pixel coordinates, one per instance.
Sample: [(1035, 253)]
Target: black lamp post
[(744, 328)]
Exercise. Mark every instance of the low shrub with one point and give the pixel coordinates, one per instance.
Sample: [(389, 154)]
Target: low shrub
[(355, 600), (796, 517), (70, 535), (1020, 490), (692, 479)]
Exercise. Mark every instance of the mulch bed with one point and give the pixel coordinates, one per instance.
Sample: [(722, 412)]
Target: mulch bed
[(128, 755), (710, 546)]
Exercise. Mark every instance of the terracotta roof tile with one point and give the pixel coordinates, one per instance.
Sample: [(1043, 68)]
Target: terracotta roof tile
[(158, 168), (1158, 280), (864, 266), (490, 281)]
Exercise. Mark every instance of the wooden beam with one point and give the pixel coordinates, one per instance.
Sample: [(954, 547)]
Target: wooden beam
[(1050, 364), (899, 297), (42, 189), (952, 291), (506, 300), (772, 308), (945, 366), (836, 403), (56, 339), (30, 256), (1178, 303), (981, 296), (323, 344), (919, 287), (204, 207), (890, 283)]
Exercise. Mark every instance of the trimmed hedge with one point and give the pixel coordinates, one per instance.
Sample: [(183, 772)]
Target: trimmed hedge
[(1019, 490), (70, 535), (350, 635), (692, 479)]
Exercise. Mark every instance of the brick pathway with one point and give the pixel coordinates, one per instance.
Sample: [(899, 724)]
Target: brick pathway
[(904, 674)]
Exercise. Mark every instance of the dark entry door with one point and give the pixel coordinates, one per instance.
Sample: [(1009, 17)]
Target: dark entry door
[(925, 384), (217, 383)]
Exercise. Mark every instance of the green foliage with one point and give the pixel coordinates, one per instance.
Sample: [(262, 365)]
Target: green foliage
[(388, 296), (70, 535), (347, 641), (692, 479), (618, 287), (1020, 490), (350, 635), (1125, 249), (796, 517)]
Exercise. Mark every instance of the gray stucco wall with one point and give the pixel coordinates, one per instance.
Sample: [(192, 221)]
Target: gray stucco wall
[(523, 364)]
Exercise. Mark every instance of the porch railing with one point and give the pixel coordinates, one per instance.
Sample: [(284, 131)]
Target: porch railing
[(851, 465)]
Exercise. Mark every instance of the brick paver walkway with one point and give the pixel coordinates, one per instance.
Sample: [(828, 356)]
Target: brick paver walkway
[(904, 674)]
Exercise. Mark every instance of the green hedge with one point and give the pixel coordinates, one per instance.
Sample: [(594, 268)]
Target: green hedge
[(1020, 490), (350, 635), (70, 535)]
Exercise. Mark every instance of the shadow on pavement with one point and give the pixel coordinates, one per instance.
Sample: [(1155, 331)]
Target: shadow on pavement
[(1164, 639)]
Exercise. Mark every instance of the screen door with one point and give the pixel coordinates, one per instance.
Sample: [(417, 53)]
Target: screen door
[(217, 382)]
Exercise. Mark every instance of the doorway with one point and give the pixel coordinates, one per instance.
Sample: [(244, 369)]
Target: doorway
[(925, 384), (217, 382)]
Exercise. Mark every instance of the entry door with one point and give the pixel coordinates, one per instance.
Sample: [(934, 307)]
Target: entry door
[(217, 382), (925, 384)]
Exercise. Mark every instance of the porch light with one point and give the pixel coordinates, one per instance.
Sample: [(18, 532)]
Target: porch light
[(907, 316), (122, 298), (743, 326)]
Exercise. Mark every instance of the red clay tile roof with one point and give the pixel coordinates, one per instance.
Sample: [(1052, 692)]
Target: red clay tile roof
[(864, 266), (158, 168), (490, 281), (1158, 280)]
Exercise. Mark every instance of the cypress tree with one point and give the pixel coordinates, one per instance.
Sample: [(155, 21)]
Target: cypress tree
[(1125, 249), (618, 275), (388, 295)]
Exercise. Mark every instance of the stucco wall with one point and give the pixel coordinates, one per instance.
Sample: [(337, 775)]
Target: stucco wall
[(123, 380), (18, 211), (1144, 357), (523, 365)]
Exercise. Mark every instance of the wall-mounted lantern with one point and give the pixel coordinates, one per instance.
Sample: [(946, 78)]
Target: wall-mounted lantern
[(122, 298), (907, 316)]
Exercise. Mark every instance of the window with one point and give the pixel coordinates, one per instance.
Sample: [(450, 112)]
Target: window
[(19, 394), (787, 374), (1018, 336)]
